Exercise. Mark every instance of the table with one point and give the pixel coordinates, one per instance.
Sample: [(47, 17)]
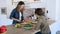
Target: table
[(13, 30)]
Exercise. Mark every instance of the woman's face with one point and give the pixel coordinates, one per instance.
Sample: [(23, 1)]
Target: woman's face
[(21, 7)]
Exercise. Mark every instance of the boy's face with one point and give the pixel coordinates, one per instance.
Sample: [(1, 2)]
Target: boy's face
[(37, 15)]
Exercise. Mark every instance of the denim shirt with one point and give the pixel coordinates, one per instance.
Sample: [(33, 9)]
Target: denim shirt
[(15, 14)]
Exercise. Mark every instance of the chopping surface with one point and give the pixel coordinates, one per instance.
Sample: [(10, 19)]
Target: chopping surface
[(13, 30)]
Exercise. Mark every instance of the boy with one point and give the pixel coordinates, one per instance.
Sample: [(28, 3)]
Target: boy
[(41, 22)]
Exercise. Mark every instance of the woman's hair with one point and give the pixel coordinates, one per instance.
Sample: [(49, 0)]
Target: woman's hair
[(39, 11), (20, 3)]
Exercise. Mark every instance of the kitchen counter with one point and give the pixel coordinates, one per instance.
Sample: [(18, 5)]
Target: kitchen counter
[(13, 30)]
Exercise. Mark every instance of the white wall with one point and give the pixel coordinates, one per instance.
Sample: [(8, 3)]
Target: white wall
[(0, 11), (58, 10), (7, 4), (9, 7), (51, 7), (58, 13), (2, 4), (3, 18)]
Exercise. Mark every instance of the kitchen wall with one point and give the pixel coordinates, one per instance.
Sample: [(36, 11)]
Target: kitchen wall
[(3, 17), (58, 14), (31, 5), (50, 5), (0, 11), (2, 4)]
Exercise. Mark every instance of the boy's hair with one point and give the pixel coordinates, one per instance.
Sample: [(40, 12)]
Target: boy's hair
[(21, 3), (39, 11)]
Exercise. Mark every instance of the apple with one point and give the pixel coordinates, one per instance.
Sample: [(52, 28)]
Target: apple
[(3, 29), (17, 25)]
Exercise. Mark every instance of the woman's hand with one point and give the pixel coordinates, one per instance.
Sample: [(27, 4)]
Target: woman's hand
[(18, 20)]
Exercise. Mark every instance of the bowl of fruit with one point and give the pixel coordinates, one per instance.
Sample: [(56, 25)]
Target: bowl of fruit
[(28, 26)]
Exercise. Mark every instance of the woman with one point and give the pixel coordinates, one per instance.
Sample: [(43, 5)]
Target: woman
[(41, 22), (17, 13)]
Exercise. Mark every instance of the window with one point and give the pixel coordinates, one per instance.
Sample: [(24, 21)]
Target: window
[(3, 10)]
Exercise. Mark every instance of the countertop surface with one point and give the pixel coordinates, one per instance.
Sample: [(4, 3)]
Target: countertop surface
[(13, 30)]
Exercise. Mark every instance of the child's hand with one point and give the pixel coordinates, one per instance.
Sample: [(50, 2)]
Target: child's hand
[(26, 19)]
